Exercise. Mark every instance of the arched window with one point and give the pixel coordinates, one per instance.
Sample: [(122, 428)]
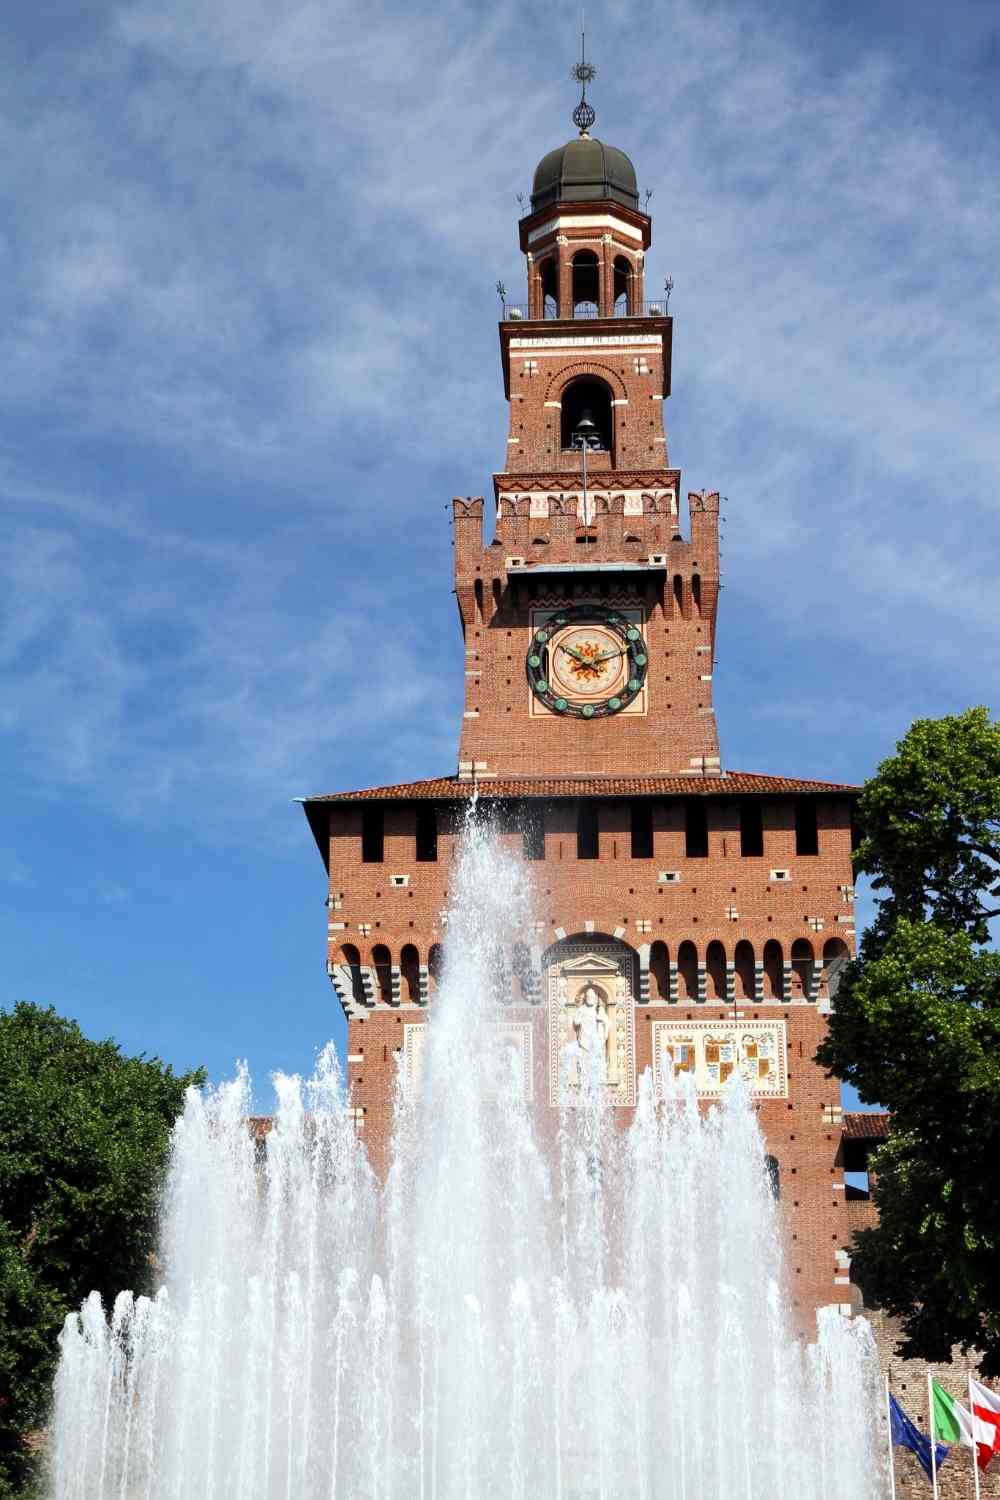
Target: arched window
[(773, 1174), (586, 284), (715, 971), (350, 956), (622, 287), (409, 968), (382, 964), (835, 956), (659, 971), (774, 973), (585, 401), (803, 966), (548, 279), (687, 971), (696, 591), (434, 966), (744, 970), (477, 589)]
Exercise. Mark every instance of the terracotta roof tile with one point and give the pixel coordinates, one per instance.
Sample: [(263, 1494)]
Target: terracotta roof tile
[(449, 788), (866, 1127)]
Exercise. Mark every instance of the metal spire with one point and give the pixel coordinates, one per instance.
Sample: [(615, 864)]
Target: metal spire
[(584, 72)]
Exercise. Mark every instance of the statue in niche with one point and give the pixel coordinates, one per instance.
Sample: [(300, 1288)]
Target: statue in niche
[(592, 1050), (590, 1021), (591, 1044)]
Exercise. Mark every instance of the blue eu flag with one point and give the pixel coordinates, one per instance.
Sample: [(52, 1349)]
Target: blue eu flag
[(906, 1435)]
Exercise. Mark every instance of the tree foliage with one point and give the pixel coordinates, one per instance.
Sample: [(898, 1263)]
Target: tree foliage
[(84, 1136), (917, 1028)]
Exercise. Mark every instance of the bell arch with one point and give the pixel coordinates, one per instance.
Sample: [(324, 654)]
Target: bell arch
[(585, 284), (587, 414)]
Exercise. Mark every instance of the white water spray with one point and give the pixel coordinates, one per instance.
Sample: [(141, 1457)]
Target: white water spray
[(601, 1316)]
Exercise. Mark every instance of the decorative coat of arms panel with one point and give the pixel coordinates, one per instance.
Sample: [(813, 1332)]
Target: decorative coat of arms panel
[(712, 1051), (504, 1038)]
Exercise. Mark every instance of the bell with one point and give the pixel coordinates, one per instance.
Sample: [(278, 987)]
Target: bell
[(585, 431)]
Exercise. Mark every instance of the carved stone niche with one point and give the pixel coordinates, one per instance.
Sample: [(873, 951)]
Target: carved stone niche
[(591, 1001)]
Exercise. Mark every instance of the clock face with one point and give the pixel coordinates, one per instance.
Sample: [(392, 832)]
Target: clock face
[(587, 662)]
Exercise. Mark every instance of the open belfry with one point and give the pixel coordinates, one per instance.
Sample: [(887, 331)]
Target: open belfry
[(690, 917)]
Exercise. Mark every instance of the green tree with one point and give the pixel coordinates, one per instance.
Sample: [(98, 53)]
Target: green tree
[(917, 1028), (84, 1137)]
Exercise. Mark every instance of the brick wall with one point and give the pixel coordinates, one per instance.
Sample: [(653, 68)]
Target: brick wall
[(908, 1383)]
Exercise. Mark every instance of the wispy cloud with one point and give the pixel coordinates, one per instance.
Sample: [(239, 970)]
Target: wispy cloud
[(246, 326)]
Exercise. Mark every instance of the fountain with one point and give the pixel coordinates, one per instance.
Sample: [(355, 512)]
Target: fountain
[(601, 1316)]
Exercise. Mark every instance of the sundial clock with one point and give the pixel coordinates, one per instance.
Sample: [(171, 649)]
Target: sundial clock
[(587, 662)]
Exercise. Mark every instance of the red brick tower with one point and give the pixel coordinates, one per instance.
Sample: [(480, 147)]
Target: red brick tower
[(701, 914)]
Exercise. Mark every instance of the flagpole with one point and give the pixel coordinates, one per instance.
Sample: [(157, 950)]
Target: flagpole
[(888, 1434), (930, 1413), (975, 1445)]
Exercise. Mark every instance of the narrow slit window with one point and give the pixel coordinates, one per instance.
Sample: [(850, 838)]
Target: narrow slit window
[(372, 836), (751, 830), (586, 830), (641, 818), (427, 835), (533, 833), (696, 830), (806, 832)]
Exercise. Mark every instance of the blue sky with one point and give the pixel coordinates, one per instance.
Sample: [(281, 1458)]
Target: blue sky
[(248, 338)]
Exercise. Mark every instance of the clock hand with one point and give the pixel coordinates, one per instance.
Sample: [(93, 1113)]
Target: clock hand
[(576, 655), (607, 656)]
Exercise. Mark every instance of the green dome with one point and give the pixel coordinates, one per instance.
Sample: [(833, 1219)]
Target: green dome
[(584, 169)]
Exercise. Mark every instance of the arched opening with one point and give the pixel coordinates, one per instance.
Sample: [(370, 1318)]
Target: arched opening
[(659, 971), (409, 969), (803, 967), (773, 1174), (696, 592), (350, 956), (586, 284), (520, 963), (382, 964), (477, 589), (744, 970), (774, 973), (586, 401), (715, 971), (687, 971), (548, 283), (434, 967), (836, 956), (622, 287)]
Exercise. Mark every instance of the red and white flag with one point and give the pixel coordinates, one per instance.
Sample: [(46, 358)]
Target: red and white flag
[(986, 1410)]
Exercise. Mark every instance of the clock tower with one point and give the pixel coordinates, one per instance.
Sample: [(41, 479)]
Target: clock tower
[(589, 604), (702, 913)]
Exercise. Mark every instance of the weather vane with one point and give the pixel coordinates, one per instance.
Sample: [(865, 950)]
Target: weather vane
[(584, 72)]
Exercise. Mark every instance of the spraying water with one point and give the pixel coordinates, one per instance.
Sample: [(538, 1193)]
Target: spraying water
[(602, 1316)]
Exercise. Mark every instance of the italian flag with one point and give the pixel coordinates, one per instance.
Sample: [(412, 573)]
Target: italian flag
[(951, 1422)]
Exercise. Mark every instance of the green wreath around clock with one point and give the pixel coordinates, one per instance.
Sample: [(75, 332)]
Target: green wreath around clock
[(587, 662)]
